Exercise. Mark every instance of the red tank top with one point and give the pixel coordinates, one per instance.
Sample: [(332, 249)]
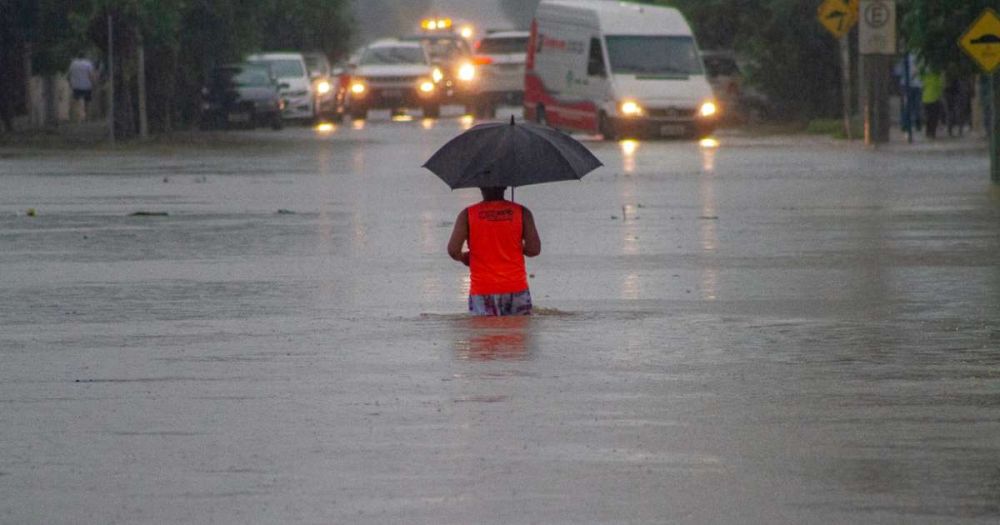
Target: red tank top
[(496, 253)]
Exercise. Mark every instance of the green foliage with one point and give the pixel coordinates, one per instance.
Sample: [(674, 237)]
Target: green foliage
[(182, 40), (786, 53), (932, 28)]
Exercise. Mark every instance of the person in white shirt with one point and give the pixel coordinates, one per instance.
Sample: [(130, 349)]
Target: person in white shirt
[(82, 78)]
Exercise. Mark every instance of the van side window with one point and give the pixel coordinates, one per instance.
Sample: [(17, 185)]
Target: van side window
[(595, 60)]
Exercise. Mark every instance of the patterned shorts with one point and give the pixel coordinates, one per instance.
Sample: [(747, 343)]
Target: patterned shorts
[(518, 303)]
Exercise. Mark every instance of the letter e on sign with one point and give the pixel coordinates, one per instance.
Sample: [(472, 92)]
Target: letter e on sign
[(877, 35)]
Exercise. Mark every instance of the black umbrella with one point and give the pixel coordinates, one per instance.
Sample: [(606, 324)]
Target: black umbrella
[(498, 154)]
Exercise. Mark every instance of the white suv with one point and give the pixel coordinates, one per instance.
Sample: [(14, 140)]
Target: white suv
[(500, 56), (296, 86), (390, 74)]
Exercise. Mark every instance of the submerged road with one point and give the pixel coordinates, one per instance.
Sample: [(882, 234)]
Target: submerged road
[(763, 330)]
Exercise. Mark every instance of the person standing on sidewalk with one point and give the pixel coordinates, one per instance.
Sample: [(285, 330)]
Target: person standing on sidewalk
[(910, 92), (500, 234), (933, 83), (82, 78)]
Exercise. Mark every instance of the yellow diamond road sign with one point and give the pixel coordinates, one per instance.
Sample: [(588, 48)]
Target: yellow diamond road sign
[(838, 16), (982, 40)]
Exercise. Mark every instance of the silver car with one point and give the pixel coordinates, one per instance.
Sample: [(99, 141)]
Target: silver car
[(500, 56)]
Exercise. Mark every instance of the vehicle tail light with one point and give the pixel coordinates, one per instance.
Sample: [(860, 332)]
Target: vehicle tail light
[(482, 60)]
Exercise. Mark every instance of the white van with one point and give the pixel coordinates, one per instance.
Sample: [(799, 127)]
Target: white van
[(618, 69)]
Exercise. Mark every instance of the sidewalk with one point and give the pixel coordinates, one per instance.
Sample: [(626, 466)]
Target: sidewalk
[(969, 142)]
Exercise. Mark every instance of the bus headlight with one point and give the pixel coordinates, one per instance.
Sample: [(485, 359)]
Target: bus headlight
[(358, 88), (631, 108), (708, 109), (323, 87), (467, 72)]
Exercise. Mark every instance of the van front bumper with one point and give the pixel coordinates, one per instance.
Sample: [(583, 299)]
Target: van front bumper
[(641, 127)]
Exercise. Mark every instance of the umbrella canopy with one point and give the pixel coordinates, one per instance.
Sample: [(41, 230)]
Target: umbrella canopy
[(497, 154)]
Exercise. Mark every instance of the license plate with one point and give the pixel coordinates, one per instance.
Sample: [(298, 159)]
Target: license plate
[(239, 117), (392, 93), (673, 129)]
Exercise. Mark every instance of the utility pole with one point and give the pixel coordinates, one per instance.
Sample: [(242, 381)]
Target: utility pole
[(995, 127), (845, 84), (877, 44), (111, 82), (141, 73)]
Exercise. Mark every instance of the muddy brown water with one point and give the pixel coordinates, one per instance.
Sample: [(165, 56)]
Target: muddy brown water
[(775, 330)]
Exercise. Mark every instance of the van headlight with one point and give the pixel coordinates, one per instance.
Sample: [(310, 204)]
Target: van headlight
[(631, 108), (358, 87), (708, 109), (467, 72), (323, 87), (426, 87)]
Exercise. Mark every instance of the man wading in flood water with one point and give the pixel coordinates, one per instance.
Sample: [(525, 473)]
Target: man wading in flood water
[(500, 234)]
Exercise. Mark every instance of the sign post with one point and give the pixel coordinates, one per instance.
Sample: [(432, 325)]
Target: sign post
[(982, 42), (838, 17), (877, 45)]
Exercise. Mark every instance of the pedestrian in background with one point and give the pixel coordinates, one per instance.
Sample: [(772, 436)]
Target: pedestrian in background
[(908, 74), (500, 233), (958, 103), (82, 78), (933, 86)]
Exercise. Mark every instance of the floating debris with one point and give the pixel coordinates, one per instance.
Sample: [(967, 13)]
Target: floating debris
[(148, 214), (31, 212), (283, 211)]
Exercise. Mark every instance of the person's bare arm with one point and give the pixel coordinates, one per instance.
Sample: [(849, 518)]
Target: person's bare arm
[(529, 234), (459, 234)]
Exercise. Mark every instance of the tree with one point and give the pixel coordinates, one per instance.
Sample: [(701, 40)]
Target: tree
[(932, 29), (786, 53)]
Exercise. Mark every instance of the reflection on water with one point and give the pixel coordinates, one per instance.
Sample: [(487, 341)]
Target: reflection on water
[(493, 338), (466, 121), (402, 118), (708, 232), (358, 124), (629, 149), (709, 146), (427, 123), (325, 128)]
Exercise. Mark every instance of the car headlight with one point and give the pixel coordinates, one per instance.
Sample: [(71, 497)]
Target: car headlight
[(358, 88), (631, 108), (323, 87), (437, 75), (708, 109), (427, 86), (467, 72)]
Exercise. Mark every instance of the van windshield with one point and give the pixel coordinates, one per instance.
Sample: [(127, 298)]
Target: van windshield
[(653, 55)]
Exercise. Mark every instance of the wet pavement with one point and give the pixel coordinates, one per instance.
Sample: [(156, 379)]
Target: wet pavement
[(758, 330)]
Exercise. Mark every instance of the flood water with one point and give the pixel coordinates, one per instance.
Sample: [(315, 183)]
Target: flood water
[(758, 330)]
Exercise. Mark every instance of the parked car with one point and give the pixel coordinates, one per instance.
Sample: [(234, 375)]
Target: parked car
[(244, 95), (500, 59), (739, 101), (453, 55), (331, 94), (297, 90), (391, 74)]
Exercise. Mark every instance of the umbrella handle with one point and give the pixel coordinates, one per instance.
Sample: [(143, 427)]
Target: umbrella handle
[(512, 194)]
